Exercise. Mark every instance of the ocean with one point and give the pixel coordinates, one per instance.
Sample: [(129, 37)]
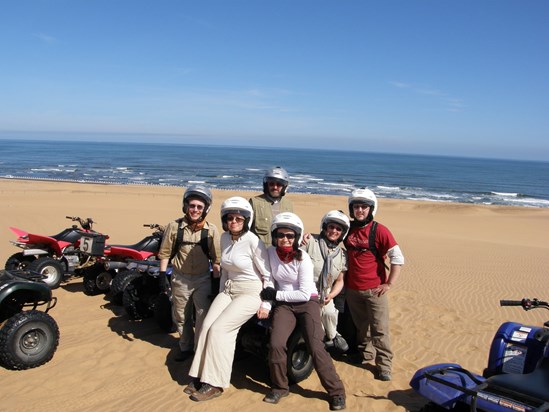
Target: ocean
[(398, 176)]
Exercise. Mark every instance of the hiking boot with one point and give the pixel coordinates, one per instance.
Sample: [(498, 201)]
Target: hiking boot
[(274, 397), (192, 387), (206, 392), (340, 344), (337, 403), (384, 376)]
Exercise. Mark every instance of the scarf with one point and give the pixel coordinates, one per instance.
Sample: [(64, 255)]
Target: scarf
[(195, 226), (286, 254), (325, 280)]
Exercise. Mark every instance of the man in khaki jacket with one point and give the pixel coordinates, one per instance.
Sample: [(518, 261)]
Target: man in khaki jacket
[(270, 203), (192, 245)]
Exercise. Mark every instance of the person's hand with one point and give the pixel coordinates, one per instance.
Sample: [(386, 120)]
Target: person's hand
[(268, 294), (262, 313), (327, 299), (306, 238), (216, 270), (382, 289)]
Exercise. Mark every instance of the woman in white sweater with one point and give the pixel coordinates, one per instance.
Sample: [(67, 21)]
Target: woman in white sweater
[(244, 273)]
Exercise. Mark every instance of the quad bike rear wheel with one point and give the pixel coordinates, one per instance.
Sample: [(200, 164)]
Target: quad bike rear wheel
[(52, 270), (18, 261), (28, 339)]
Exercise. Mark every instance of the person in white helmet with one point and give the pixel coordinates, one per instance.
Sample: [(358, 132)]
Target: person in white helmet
[(367, 281), (271, 202), (244, 273), (297, 303), (192, 245), (330, 265)]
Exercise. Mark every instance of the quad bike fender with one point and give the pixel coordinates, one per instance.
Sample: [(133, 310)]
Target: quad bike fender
[(27, 292), (31, 238), (129, 253), (445, 384)]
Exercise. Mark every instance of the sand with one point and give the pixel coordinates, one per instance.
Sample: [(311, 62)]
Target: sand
[(460, 260)]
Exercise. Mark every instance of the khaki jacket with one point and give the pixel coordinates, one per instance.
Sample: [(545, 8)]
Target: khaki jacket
[(263, 215), (190, 258)]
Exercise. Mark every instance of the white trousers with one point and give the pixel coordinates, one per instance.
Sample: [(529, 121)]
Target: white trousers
[(214, 353)]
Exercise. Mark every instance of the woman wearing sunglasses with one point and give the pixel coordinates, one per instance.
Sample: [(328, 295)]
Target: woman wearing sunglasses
[(244, 273), (297, 302)]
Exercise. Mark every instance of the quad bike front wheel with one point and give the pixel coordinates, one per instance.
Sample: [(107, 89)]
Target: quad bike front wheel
[(18, 261), (163, 313), (300, 363), (136, 302), (121, 282), (28, 339), (52, 270)]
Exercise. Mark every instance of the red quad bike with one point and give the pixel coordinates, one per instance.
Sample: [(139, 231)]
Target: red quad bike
[(51, 256), (113, 259)]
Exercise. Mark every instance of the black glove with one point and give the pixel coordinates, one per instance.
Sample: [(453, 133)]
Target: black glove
[(268, 294), (162, 273)]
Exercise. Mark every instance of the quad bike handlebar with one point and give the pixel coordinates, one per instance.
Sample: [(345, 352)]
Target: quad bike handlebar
[(86, 223), (526, 304)]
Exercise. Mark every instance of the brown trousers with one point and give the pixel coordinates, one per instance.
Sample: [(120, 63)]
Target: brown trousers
[(307, 315)]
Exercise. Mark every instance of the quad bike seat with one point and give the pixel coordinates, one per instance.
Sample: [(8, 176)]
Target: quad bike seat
[(146, 245), (534, 384)]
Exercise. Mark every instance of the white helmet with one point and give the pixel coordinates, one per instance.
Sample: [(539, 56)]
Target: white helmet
[(339, 218), (290, 221), (239, 206), (278, 174), (201, 192), (363, 196)]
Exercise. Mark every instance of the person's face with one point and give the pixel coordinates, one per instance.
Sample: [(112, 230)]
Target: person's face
[(361, 211), (333, 231), (235, 222), (275, 188), (196, 207), (285, 237)]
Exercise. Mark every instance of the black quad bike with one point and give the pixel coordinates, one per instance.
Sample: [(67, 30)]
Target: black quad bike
[(254, 337), (28, 337)]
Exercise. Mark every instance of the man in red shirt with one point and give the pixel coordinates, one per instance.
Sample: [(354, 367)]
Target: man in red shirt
[(367, 281)]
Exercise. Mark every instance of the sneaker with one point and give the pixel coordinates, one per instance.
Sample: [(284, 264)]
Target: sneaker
[(274, 397), (340, 343), (206, 392), (337, 403), (384, 376), (192, 387)]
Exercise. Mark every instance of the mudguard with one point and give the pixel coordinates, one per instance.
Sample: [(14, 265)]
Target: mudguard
[(445, 384), (516, 348)]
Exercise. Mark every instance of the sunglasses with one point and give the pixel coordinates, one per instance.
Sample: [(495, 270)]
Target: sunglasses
[(335, 227), (289, 236), (197, 207), (360, 206), (238, 219)]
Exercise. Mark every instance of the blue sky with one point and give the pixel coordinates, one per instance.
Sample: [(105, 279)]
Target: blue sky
[(463, 77)]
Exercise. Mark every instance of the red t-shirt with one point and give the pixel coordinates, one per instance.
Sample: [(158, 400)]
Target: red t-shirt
[(365, 271)]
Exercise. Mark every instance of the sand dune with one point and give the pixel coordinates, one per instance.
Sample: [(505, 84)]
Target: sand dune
[(461, 259)]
